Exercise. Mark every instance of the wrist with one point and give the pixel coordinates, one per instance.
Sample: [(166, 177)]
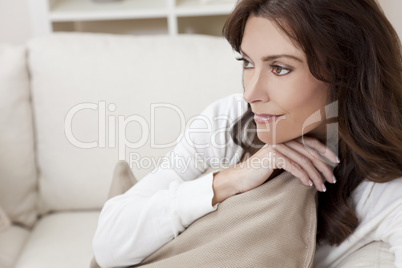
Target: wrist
[(223, 186)]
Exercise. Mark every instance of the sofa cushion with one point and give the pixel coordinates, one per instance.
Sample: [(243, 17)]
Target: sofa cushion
[(62, 240), (93, 97), (12, 241), (17, 164)]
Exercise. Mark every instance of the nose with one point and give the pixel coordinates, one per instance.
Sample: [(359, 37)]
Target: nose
[(255, 86)]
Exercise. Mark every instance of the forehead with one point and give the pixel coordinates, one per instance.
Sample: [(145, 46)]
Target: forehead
[(262, 36)]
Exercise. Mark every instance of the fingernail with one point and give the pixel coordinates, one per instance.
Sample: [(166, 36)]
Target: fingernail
[(323, 188), (333, 179), (337, 160), (310, 183)]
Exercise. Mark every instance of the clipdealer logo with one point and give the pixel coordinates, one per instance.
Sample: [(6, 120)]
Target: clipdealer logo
[(112, 128), (112, 134)]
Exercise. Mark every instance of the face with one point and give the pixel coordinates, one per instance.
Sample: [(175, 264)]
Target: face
[(278, 82)]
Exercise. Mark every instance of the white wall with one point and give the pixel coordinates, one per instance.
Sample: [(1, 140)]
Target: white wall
[(393, 10), (15, 21)]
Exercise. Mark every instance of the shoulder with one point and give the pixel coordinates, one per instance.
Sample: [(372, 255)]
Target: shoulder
[(232, 105), (221, 113), (373, 197), (209, 135), (231, 99), (388, 191)]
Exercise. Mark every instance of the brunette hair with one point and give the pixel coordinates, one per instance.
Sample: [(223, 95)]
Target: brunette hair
[(352, 46)]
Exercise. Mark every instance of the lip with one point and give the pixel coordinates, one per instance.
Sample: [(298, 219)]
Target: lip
[(265, 118)]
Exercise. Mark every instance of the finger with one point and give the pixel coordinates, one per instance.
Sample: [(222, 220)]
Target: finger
[(316, 145), (319, 164), (293, 168), (304, 162)]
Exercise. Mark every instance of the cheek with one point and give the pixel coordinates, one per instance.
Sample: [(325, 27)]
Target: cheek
[(301, 97), (247, 76)]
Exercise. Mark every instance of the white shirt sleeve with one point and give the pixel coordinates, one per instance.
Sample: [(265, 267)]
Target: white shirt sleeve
[(393, 235), (162, 204), (391, 227)]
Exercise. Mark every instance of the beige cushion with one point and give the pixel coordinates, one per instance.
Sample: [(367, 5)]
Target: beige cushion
[(123, 179), (273, 225), (4, 221), (18, 182), (130, 72), (374, 254)]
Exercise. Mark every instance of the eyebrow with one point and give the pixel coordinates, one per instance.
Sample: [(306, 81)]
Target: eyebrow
[(274, 57)]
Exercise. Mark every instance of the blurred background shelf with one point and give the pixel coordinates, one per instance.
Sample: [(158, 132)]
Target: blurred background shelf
[(131, 16), (84, 10), (20, 20), (200, 8)]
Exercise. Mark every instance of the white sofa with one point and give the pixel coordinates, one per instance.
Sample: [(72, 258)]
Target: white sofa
[(60, 98), (71, 106)]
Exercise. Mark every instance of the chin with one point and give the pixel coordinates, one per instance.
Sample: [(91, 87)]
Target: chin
[(269, 138)]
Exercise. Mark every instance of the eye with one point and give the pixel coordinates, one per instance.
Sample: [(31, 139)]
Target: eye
[(279, 70), (246, 64)]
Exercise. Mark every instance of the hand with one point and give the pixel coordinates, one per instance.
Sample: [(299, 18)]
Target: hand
[(301, 160), (301, 157)]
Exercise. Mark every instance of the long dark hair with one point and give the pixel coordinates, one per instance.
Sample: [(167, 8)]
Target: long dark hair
[(352, 46)]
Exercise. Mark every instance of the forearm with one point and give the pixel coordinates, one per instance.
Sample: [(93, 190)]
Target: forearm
[(128, 231), (132, 226)]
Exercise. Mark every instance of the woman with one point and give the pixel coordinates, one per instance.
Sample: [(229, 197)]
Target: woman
[(301, 60)]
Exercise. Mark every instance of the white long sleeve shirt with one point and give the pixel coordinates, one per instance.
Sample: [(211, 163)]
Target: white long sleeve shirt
[(162, 204)]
